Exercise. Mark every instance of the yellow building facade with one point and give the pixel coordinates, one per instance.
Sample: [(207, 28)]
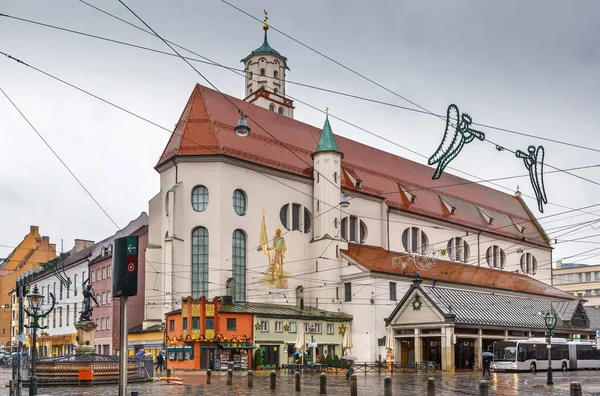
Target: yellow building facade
[(34, 249)]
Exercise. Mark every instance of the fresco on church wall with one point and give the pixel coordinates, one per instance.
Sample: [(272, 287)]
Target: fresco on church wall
[(274, 248)]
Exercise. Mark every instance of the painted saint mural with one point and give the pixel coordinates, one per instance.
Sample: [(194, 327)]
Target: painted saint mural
[(275, 277)]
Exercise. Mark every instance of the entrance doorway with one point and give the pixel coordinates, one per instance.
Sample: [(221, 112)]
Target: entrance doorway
[(407, 351), (464, 356), (432, 351)]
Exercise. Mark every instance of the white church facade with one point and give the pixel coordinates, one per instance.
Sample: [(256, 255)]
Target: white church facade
[(293, 212)]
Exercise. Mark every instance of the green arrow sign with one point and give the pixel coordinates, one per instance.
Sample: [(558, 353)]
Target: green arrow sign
[(132, 245)]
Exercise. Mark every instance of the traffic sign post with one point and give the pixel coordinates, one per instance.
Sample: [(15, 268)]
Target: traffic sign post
[(125, 284)]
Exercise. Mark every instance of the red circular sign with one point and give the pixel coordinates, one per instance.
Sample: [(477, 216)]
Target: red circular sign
[(131, 267)]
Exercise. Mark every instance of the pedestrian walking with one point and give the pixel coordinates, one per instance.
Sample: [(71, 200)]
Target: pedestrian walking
[(487, 362), (159, 362)]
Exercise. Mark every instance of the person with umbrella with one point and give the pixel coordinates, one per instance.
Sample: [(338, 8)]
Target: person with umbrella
[(487, 363), (350, 360)]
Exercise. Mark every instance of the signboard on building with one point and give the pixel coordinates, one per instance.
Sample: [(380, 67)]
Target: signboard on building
[(576, 337)]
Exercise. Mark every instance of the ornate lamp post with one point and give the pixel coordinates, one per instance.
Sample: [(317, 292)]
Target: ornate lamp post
[(36, 300), (550, 320)]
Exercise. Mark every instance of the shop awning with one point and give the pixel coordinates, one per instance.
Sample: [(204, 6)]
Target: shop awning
[(208, 347)]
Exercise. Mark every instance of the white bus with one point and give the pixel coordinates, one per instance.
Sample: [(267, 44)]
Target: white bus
[(532, 355)]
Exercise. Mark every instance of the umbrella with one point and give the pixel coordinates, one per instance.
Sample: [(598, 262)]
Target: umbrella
[(349, 357), (301, 341), (347, 342), (487, 354), (389, 338)]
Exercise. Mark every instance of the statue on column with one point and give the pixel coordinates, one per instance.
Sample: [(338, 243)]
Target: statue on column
[(88, 295)]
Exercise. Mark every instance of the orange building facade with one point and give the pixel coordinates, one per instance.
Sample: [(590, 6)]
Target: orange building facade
[(200, 336), (33, 250)]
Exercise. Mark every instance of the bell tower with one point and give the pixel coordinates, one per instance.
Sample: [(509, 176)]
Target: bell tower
[(265, 73)]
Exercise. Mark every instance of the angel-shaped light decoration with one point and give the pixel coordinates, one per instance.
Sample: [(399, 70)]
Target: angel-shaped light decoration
[(534, 162), (455, 137)]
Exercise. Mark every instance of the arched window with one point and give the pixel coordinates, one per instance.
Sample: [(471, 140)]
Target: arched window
[(250, 92), (275, 74), (495, 257), (275, 91), (272, 107), (350, 232), (199, 262), (239, 202), (295, 220), (200, 198), (280, 111), (250, 75), (415, 241), (230, 286), (262, 72), (239, 265), (528, 264), (300, 297), (458, 249)]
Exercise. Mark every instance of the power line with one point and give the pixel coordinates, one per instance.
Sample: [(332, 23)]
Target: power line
[(210, 62)]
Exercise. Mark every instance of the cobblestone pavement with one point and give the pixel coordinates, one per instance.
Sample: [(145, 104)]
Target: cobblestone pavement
[(501, 384)]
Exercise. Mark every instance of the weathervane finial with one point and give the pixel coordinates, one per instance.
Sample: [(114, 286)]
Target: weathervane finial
[(265, 24), (327, 111)]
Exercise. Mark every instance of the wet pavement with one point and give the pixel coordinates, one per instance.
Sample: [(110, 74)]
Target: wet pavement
[(501, 384)]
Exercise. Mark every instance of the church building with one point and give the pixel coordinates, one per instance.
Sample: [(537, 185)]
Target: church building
[(262, 207)]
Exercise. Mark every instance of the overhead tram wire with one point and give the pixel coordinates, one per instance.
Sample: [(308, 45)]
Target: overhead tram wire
[(371, 100), (298, 100), (373, 82), (142, 118)]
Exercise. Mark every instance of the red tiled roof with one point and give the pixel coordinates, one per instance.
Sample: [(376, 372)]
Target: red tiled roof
[(206, 128), (380, 260)]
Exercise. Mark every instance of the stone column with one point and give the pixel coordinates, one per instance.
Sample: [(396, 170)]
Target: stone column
[(478, 351), (418, 346), (447, 349)]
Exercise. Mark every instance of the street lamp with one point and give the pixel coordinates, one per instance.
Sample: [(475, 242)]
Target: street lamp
[(36, 300), (550, 320), (242, 129)]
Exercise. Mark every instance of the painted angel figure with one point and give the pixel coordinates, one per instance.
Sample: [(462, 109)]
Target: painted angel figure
[(280, 248), (455, 137), (534, 162)]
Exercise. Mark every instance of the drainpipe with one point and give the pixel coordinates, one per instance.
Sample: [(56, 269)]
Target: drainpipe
[(388, 227), (176, 171), (478, 251)]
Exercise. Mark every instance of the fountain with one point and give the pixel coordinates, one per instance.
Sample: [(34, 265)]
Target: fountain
[(86, 367)]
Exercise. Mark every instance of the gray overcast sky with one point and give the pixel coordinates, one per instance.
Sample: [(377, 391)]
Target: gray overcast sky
[(529, 66)]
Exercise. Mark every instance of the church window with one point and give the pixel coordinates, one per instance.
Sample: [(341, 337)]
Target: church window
[(529, 264), (272, 107), (250, 75), (353, 228), (239, 202), (280, 111), (414, 240), (200, 198), (275, 91), (295, 218), (495, 257), (239, 265), (262, 72), (458, 249), (275, 74), (199, 262)]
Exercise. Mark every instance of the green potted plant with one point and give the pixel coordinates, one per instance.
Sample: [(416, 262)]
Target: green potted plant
[(258, 359)]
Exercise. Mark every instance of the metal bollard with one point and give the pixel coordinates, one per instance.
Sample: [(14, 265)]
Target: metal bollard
[(576, 389), (11, 386), (430, 387), (169, 373), (250, 379), (484, 388), (353, 385), (134, 393), (297, 381), (323, 384), (387, 386), (273, 379), (229, 376)]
